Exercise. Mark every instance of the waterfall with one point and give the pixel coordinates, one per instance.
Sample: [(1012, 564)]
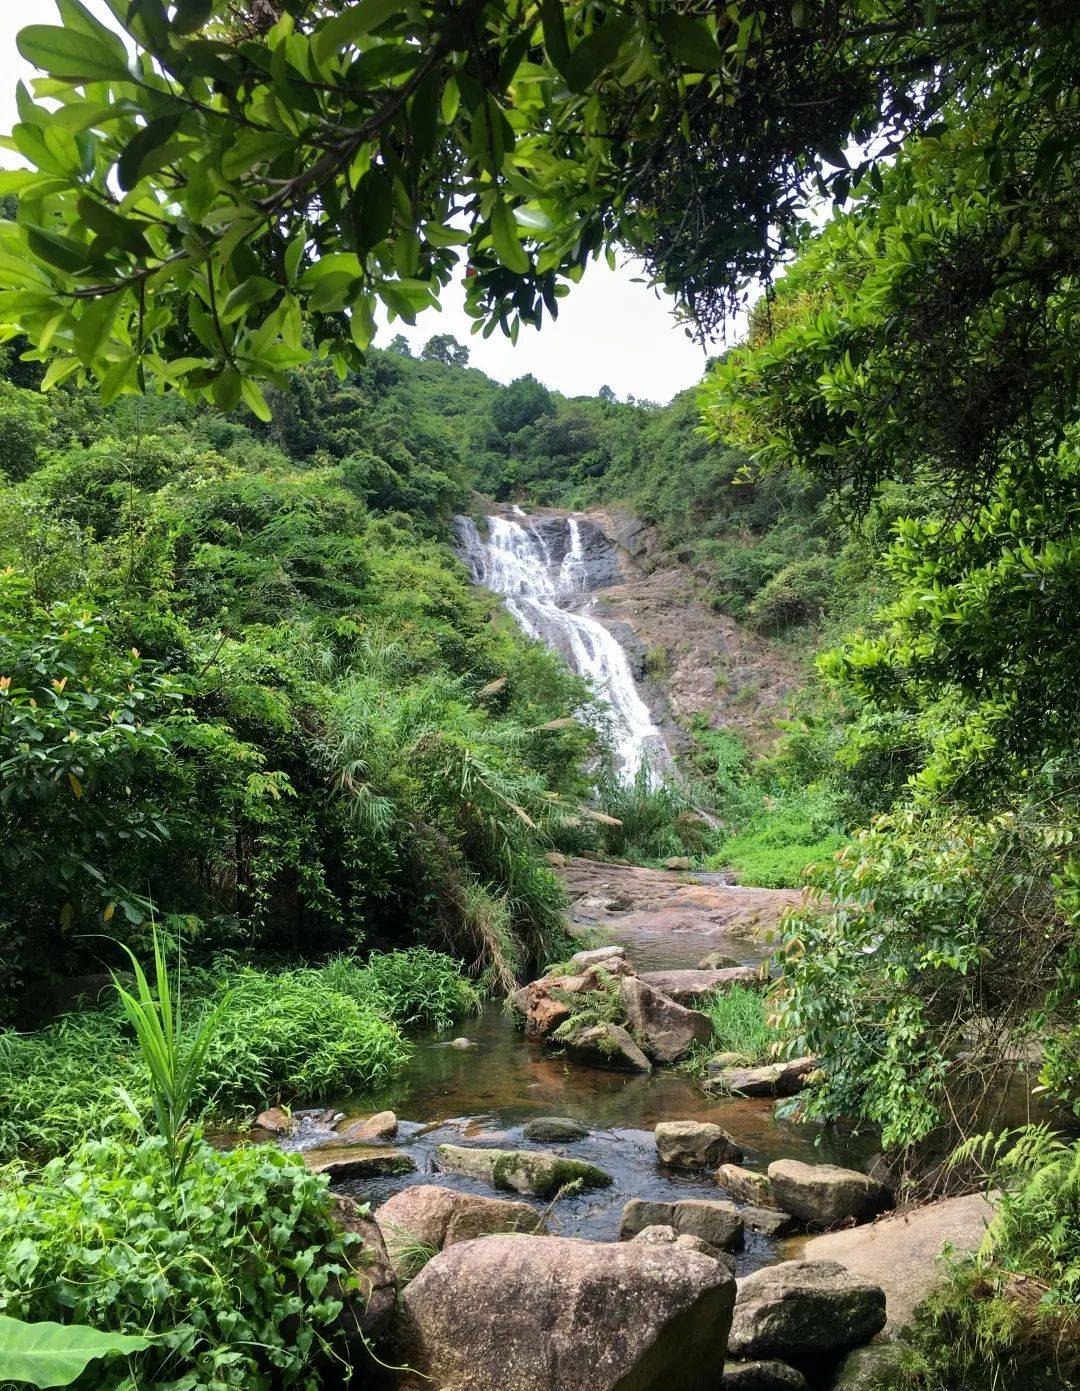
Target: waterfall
[(541, 569)]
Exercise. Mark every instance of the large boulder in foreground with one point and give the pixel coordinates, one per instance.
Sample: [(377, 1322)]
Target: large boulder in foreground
[(711, 1219), (901, 1253), (556, 1314), (824, 1194), (539, 1172), (667, 1031), (427, 1218), (694, 1145), (801, 1310)]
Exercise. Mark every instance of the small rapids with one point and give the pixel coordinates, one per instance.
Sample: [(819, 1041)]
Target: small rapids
[(546, 570)]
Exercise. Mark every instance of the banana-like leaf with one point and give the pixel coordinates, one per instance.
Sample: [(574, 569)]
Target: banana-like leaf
[(54, 1354)]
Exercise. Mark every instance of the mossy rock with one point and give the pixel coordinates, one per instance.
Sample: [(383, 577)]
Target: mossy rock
[(538, 1172)]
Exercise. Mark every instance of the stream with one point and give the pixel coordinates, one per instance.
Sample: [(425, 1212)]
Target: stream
[(484, 1095)]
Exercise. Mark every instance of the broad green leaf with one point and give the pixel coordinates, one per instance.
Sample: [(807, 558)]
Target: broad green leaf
[(157, 133), (556, 43), (54, 1354), (191, 15), (595, 52), (77, 17), (504, 238), (74, 56), (57, 249), (95, 325), (113, 227), (690, 42), (357, 20), (255, 401)]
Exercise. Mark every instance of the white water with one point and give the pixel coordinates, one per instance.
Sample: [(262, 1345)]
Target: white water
[(551, 601)]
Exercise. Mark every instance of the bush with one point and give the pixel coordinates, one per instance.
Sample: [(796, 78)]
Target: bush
[(795, 828), (235, 1272), (418, 986), (794, 595)]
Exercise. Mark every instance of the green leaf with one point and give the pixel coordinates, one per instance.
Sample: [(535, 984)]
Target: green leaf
[(112, 227), (373, 208), (157, 133), (595, 52), (690, 42), (58, 250), (191, 15), (74, 56), (54, 1354), (346, 28), (255, 401), (504, 238), (556, 43)]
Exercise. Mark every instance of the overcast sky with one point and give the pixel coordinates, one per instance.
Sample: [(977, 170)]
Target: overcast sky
[(612, 330)]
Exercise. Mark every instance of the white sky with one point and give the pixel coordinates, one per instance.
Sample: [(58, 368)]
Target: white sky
[(612, 330)]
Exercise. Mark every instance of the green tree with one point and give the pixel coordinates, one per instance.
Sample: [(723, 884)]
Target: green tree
[(522, 403), (444, 347)]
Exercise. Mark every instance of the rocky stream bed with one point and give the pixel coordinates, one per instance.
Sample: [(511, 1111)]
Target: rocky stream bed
[(544, 1225)]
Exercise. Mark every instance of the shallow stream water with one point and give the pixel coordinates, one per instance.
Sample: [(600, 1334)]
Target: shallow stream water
[(484, 1095)]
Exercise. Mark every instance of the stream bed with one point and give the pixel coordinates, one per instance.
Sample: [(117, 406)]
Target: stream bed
[(485, 1094)]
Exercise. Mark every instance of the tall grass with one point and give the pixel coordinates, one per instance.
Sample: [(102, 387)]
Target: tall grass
[(175, 1059), (740, 1023)]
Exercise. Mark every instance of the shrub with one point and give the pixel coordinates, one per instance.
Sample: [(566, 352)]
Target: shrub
[(794, 595), (418, 986), (289, 1035), (235, 1273)]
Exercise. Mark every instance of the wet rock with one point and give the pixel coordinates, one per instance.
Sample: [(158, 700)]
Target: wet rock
[(462, 1043), (602, 973), (690, 988), (768, 1375), (900, 1253), (555, 1130), (360, 1161), (580, 962), (275, 1121), (605, 1045), (539, 1172), (769, 1221), (770, 1079), (368, 1320), (711, 1219), (825, 1194), (685, 1241), (799, 1310), (694, 1145), (717, 961), (862, 1369), (745, 1185), (428, 1216), (542, 1003), (678, 862), (667, 1031), (382, 1126), (557, 1314)]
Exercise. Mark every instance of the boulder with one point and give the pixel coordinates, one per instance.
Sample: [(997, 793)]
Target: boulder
[(462, 1043), (601, 973), (720, 1061), (667, 1031), (686, 1241), (539, 1172), (678, 862), (900, 1253), (769, 1221), (555, 1130), (605, 1045), (694, 1145), (768, 1375), (582, 960), (690, 988), (556, 1314), (382, 1126), (427, 1216), (770, 1079), (376, 1285), (717, 961), (745, 1185), (800, 1310), (826, 1195), (275, 1121), (711, 1219), (342, 1162), (542, 1010), (862, 1369)]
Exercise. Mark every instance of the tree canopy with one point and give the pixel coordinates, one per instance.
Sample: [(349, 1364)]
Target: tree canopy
[(189, 208)]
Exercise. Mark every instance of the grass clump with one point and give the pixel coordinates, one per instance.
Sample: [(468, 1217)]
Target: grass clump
[(235, 1270), (740, 1023), (418, 986)]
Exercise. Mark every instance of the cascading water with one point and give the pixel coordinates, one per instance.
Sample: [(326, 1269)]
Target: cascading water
[(542, 571)]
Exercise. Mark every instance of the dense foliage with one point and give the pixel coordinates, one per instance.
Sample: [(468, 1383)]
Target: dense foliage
[(237, 1273)]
